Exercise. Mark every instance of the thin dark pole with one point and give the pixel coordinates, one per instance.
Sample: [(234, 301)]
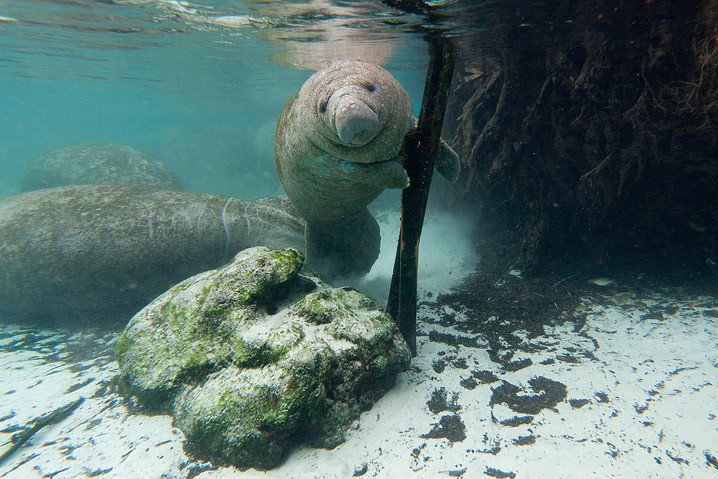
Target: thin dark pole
[(419, 155)]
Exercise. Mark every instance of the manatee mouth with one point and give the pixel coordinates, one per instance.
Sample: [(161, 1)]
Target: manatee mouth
[(355, 121)]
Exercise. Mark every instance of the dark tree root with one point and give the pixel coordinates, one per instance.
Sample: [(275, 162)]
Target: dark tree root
[(592, 139)]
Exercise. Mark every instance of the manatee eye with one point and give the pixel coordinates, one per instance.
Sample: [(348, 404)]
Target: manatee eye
[(322, 105), (370, 87)]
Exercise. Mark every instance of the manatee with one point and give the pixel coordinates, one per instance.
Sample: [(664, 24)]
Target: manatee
[(337, 147), (81, 254), (105, 164)]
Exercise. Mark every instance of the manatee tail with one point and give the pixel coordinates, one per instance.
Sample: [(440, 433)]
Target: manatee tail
[(345, 248)]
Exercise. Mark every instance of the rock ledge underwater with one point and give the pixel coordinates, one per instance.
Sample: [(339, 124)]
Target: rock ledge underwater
[(256, 356)]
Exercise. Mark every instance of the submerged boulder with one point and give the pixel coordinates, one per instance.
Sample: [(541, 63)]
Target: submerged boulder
[(255, 356), (104, 164)]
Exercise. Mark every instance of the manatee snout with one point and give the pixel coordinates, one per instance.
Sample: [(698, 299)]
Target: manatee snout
[(356, 122)]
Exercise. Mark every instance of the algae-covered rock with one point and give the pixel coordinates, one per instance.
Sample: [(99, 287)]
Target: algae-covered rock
[(249, 363)]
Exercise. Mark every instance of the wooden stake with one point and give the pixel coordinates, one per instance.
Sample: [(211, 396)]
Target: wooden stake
[(419, 155)]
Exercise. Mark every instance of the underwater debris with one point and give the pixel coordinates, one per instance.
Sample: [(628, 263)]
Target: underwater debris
[(454, 339), (602, 397), (578, 403), (53, 417), (454, 472), (524, 440), (478, 377), (440, 402), (492, 472), (360, 470), (711, 460), (545, 393), (450, 427)]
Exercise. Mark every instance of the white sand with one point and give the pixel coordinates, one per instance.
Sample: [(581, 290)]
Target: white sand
[(657, 418)]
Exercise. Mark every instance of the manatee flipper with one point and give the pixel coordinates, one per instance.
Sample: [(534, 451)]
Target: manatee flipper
[(346, 248), (385, 174), (448, 162)]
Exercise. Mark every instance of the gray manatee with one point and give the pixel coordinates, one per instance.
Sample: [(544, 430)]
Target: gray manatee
[(337, 147), (87, 253), (104, 164)]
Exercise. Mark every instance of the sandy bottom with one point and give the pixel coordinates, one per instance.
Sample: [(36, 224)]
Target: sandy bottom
[(622, 387)]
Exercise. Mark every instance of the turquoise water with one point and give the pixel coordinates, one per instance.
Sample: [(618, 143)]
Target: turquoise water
[(199, 88)]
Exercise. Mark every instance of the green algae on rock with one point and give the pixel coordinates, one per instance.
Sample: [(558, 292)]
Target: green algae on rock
[(248, 363)]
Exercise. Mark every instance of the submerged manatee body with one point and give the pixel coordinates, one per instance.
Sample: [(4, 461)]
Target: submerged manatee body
[(338, 146), (103, 164), (92, 253)]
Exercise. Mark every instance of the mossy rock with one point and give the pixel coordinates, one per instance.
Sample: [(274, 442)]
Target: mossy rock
[(197, 325), (248, 418), (249, 363)]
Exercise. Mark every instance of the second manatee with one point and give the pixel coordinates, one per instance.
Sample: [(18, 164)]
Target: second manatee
[(93, 253)]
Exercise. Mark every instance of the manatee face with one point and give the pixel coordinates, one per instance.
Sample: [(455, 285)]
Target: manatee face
[(359, 111), (339, 140)]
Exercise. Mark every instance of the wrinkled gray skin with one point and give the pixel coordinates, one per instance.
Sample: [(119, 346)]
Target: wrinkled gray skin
[(106, 164), (338, 146), (94, 253)]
